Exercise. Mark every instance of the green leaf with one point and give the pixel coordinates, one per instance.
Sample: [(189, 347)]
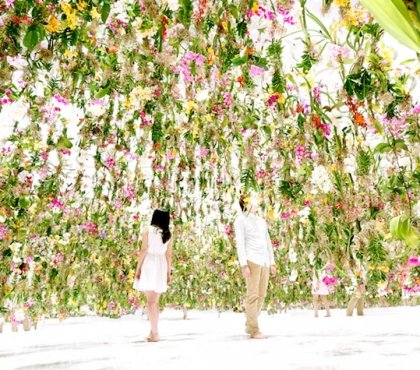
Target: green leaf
[(319, 23), (106, 8), (31, 38), (383, 148), (393, 16), (412, 239), (241, 28), (400, 144), (101, 93), (64, 143), (278, 82), (239, 61), (24, 202), (364, 161), (185, 12)]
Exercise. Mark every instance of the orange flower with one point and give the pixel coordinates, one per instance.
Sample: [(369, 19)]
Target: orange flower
[(249, 51), (359, 119), (240, 79)]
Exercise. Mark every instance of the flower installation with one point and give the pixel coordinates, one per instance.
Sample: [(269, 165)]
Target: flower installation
[(111, 108)]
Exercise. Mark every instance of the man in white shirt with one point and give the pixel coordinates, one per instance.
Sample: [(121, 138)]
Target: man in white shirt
[(255, 253)]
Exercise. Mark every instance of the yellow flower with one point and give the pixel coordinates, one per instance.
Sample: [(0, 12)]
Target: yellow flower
[(255, 7), (341, 2), (271, 214), (191, 106), (281, 98), (384, 268), (71, 17), (94, 13), (53, 25), (69, 54), (232, 261), (8, 289), (72, 21), (66, 8), (81, 5), (211, 57)]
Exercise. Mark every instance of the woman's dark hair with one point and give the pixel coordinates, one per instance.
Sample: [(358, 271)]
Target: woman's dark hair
[(243, 202), (160, 219)]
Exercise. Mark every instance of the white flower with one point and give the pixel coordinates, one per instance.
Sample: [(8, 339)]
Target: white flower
[(17, 61), (15, 247), (321, 180), (311, 258), (292, 255), (350, 165), (416, 209), (304, 213), (173, 5), (404, 161), (202, 95), (96, 110), (293, 275), (17, 260)]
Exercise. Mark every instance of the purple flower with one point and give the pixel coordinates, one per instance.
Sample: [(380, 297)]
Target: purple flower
[(255, 71)]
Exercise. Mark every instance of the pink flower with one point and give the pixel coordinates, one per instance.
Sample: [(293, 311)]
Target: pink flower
[(302, 153), (255, 71), (317, 94), (413, 261), (110, 162), (170, 155), (4, 231), (29, 303), (273, 99), (415, 110), (395, 126), (287, 17), (228, 230), (121, 276), (57, 259), (55, 203), (60, 99), (203, 152), (129, 191), (44, 155), (329, 267), (227, 99), (91, 228), (112, 306)]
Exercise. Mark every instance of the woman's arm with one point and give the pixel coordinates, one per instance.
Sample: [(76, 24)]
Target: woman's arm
[(143, 251), (169, 258)]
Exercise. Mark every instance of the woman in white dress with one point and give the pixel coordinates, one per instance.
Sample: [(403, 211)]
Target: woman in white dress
[(154, 266)]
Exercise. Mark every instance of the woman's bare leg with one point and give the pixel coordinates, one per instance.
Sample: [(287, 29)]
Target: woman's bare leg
[(315, 303), (325, 302), (153, 312)]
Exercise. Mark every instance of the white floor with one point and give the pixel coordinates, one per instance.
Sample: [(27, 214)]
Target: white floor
[(385, 338)]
